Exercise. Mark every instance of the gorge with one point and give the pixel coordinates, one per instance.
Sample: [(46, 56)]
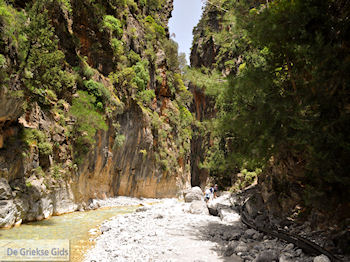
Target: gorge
[(95, 103)]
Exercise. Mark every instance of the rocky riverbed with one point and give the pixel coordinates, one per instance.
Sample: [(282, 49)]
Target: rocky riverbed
[(172, 230)]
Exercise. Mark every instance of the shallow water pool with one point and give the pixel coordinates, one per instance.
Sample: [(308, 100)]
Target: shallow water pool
[(74, 226)]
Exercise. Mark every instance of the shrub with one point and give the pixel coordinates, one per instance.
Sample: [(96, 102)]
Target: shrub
[(113, 24), (153, 29), (36, 137), (118, 141), (88, 121), (117, 46), (101, 93), (45, 148), (141, 78), (146, 96), (134, 57)]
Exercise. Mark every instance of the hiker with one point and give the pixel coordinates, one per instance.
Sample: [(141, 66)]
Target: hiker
[(216, 188), (209, 193)]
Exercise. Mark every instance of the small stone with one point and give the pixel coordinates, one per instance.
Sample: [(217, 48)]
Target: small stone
[(290, 246), (142, 209), (257, 236), (104, 229), (284, 258), (298, 252), (242, 247), (267, 256), (230, 248), (321, 258), (250, 232)]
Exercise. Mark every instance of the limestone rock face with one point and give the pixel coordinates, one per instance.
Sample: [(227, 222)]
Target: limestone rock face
[(39, 175)]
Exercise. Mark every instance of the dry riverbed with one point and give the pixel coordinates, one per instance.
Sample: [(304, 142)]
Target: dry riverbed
[(167, 231)]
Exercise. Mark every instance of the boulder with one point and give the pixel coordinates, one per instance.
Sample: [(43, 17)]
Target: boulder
[(198, 207), (267, 256), (228, 215), (284, 258), (195, 193), (7, 213), (214, 205), (242, 247), (230, 249), (321, 258), (249, 233), (5, 190)]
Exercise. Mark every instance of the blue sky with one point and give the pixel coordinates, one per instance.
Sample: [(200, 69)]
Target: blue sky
[(185, 16)]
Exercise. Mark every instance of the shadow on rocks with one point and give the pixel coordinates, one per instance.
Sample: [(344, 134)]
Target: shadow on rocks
[(226, 238)]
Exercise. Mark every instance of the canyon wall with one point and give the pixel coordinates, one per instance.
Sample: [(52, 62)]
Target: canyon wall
[(91, 106)]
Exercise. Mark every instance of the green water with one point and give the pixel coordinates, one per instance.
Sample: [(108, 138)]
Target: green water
[(74, 226)]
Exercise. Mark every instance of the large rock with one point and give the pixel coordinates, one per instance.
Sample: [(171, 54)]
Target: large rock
[(267, 256), (5, 190), (195, 193), (321, 258), (229, 215), (198, 207), (214, 205), (7, 213)]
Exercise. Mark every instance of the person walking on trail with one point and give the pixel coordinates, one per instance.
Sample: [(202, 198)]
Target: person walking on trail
[(207, 194), (210, 193), (216, 188)]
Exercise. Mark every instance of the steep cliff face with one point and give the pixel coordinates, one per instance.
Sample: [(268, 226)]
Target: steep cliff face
[(204, 53), (258, 123), (90, 106)]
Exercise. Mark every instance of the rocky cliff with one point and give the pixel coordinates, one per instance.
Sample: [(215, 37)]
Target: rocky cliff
[(92, 105), (292, 187)]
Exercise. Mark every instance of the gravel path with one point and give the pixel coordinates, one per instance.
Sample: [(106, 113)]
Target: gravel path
[(167, 231), (160, 232)]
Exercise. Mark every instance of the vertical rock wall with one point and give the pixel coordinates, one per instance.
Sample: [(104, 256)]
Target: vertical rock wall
[(35, 185)]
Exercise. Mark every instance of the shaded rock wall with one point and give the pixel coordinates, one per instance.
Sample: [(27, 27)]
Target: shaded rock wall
[(35, 185)]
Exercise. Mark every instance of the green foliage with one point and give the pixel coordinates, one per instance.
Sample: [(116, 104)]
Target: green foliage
[(35, 137), (211, 81), (183, 96), (133, 57), (141, 77), (286, 97), (104, 99), (88, 72), (153, 29), (66, 5), (2, 61), (117, 46), (43, 63), (154, 5), (146, 96), (113, 24), (118, 141), (88, 121), (245, 178), (171, 52)]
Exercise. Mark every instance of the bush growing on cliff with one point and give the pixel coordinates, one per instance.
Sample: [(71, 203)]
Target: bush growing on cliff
[(113, 24), (36, 137), (141, 78), (284, 100), (117, 46), (171, 52), (43, 63), (87, 121), (146, 96), (153, 29)]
